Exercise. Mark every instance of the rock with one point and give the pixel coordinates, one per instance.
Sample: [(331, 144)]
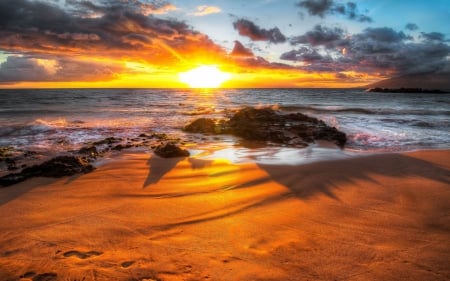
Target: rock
[(5, 152), (109, 140), (11, 163), (257, 124), (60, 166), (169, 150), (119, 147), (159, 136), (202, 125), (266, 124), (89, 150)]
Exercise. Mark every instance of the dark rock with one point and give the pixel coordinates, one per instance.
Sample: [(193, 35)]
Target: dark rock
[(169, 150), (201, 125), (207, 126), (5, 152), (89, 150), (266, 124), (60, 166), (11, 163), (29, 153), (257, 124), (159, 136), (293, 129), (119, 147), (109, 140)]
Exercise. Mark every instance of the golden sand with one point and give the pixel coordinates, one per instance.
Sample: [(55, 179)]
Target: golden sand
[(378, 217)]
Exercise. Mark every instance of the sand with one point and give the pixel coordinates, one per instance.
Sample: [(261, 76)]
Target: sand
[(140, 217)]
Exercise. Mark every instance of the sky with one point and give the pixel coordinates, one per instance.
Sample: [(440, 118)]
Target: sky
[(258, 43)]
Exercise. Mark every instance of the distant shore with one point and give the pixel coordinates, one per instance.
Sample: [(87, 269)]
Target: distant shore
[(141, 217), (407, 90)]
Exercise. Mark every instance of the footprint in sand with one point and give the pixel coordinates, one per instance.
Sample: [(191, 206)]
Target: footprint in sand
[(126, 264), (82, 255), (28, 274), (50, 276)]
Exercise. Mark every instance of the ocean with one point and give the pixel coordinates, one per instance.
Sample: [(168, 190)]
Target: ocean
[(52, 121)]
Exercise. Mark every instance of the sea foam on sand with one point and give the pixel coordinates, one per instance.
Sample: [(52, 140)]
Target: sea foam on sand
[(376, 217)]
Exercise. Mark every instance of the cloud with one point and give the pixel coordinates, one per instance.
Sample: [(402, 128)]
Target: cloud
[(240, 51), (121, 29), (205, 10), (249, 29), (320, 35), (321, 8), (97, 8), (312, 60), (308, 55), (433, 36), (157, 8), (374, 50), (411, 26), (22, 69), (35, 68), (317, 7)]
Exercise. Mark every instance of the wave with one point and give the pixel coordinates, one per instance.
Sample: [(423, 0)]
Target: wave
[(11, 112), (39, 126), (358, 110)]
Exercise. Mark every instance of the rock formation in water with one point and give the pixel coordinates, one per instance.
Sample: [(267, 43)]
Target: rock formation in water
[(266, 124)]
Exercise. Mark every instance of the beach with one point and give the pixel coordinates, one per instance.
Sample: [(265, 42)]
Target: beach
[(382, 216), (159, 140)]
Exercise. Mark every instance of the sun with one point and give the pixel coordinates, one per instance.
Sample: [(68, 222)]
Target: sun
[(205, 76)]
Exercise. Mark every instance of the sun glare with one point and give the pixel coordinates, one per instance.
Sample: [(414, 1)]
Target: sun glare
[(205, 76)]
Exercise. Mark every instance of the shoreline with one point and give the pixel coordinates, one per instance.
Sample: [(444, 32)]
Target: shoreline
[(140, 217)]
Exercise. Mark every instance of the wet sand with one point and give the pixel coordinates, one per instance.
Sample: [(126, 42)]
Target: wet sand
[(140, 217)]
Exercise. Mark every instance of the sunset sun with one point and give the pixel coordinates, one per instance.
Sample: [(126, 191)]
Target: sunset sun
[(205, 76)]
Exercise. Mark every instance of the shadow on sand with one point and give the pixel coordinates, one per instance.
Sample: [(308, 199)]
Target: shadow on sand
[(306, 181)]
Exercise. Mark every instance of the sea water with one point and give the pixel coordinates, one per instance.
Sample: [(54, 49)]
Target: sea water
[(57, 120)]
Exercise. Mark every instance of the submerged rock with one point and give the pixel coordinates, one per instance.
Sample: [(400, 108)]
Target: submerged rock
[(207, 126), (201, 125), (120, 147), (90, 151), (57, 167), (170, 150), (109, 140), (266, 124), (5, 152)]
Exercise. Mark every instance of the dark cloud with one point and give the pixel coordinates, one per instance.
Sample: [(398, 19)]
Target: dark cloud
[(240, 51), (253, 63), (312, 60), (433, 36), (111, 28), (375, 50), (321, 8), (341, 75), (317, 7), (382, 34), (304, 54), (411, 26), (26, 68), (16, 69), (95, 8), (48, 39), (255, 33), (320, 35)]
